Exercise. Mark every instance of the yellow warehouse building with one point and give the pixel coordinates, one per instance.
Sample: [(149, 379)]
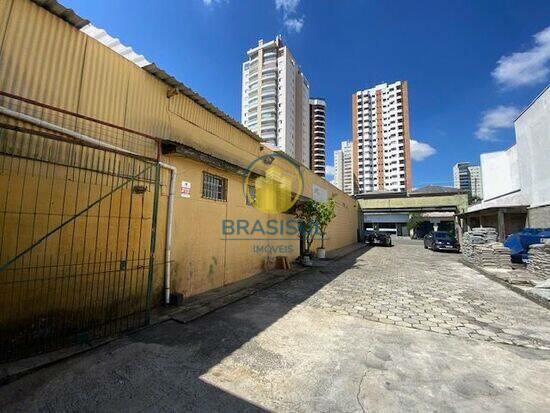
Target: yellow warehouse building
[(89, 139)]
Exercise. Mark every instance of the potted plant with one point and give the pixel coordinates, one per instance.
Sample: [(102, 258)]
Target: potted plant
[(306, 215), (325, 214)]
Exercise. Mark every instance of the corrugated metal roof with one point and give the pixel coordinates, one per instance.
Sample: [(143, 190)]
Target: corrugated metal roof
[(436, 189), (190, 93), (102, 36), (113, 43), (64, 13)]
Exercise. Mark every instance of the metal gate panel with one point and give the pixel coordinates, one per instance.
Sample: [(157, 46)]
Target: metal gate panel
[(77, 238)]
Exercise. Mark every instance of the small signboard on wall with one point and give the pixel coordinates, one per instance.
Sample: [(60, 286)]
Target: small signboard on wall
[(185, 189)]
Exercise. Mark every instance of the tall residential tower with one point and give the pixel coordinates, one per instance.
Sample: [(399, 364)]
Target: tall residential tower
[(381, 138), (275, 99), (468, 177), (343, 167), (317, 113)]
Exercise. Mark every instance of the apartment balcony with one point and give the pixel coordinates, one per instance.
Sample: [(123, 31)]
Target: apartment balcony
[(269, 93), (271, 136), (271, 82), (267, 131), (268, 101), (269, 68), (269, 75), (268, 120)]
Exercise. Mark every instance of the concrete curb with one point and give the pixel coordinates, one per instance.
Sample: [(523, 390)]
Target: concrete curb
[(534, 298), (199, 307)]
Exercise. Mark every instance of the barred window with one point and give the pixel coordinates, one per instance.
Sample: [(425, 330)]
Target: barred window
[(251, 196), (214, 187)]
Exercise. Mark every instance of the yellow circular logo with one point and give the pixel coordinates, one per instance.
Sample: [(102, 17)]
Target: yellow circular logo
[(273, 184)]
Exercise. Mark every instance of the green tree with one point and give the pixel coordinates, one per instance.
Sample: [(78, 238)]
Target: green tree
[(306, 215), (414, 222), (325, 214)]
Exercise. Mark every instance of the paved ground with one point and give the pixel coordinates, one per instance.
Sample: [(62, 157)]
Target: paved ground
[(389, 329)]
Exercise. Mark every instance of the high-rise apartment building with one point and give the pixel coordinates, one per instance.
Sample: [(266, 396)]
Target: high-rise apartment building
[(317, 113), (468, 178), (381, 138), (343, 167), (475, 182), (461, 175), (275, 99)]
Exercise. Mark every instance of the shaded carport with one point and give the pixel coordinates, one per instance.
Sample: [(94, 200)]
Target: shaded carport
[(391, 211), (506, 219)]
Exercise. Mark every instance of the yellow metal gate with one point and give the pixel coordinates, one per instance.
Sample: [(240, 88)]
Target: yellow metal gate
[(77, 240)]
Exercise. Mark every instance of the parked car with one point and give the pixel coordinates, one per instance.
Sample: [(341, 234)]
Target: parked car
[(378, 237), (441, 241)]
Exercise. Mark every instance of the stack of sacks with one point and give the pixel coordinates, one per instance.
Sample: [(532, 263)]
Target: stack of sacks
[(477, 236), (539, 260), (491, 255)]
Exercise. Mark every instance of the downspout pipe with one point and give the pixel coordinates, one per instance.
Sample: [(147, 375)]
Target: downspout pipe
[(169, 219), (65, 131), (100, 144)]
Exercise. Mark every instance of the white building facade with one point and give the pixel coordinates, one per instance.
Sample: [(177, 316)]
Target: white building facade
[(381, 138), (532, 129), (516, 181), (275, 99), (343, 168)]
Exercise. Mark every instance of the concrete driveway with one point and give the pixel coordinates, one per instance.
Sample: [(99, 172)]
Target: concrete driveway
[(382, 330)]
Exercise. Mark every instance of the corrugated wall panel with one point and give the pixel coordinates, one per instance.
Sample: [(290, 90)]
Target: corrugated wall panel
[(147, 105), (43, 61), (104, 84), (5, 9), (104, 95)]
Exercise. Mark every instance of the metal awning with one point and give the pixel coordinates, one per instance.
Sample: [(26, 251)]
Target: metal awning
[(495, 210)]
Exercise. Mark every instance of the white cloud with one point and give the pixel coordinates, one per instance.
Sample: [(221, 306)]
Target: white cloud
[(288, 6), (498, 118), (290, 20), (329, 171), (526, 68), (294, 25), (421, 150), (210, 2)]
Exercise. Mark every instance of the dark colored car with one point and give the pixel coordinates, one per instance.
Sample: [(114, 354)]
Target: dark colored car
[(441, 241), (378, 237)]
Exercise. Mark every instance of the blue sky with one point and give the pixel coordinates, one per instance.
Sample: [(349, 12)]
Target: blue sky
[(471, 65)]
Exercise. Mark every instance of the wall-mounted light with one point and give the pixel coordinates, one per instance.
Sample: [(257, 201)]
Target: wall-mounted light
[(139, 189)]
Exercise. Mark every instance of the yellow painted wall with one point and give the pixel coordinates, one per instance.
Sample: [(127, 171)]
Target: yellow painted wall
[(46, 59), (77, 269), (204, 258)]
